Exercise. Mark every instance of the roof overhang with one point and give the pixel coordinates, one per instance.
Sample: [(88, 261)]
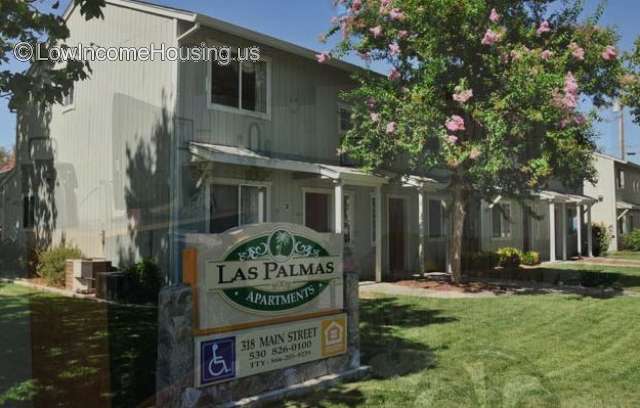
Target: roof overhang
[(623, 205), (241, 156), (565, 198)]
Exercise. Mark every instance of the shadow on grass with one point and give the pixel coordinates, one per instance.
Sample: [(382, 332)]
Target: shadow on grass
[(382, 320), (82, 353), (597, 283)]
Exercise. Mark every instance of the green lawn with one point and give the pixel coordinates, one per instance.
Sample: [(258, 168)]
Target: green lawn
[(635, 256), (515, 351), (57, 351)]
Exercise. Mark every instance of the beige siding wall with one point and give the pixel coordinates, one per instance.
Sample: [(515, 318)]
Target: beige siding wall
[(111, 148), (304, 103), (605, 210)]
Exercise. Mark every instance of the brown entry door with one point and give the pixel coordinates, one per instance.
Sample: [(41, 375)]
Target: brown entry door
[(396, 235)]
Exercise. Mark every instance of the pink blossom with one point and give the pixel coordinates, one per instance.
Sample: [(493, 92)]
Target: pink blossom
[(570, 84), (356, 6), (375, 117), (475, 153), (394, 74), (384, 6), (544, 27), (323, 57), (580, 120), (391, 127), (570, 101), (577, 51), (376, 31), (452, 139), (403, 34), (546, 55), (394, 48), (455, 124), (490, 37), (609, 53), (494, 16), (334, 20), (463, 96), (397, 15)]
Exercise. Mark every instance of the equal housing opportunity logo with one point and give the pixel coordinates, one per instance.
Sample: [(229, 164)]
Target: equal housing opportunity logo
[(274, 272)]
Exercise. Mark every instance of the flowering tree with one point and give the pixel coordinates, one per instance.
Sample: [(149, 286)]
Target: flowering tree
[(631, 83), (487, 89)]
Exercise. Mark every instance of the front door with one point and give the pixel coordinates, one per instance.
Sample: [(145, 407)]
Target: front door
[(396, 235)]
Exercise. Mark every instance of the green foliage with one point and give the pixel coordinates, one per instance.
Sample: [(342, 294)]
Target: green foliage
[(602, 236), (51, 263), (631, 83), (531, 258), (479, 261), (143, 282), (509, 257), (632, 240), (40, 25)]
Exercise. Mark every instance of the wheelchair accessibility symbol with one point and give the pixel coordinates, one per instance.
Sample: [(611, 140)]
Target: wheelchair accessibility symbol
[(218, 360)]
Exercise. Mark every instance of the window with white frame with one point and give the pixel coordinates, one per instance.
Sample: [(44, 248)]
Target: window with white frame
[(436, 219), (620, 179), (344, 118), (233, 205), (501, 220), (68, 98), (243, 86)]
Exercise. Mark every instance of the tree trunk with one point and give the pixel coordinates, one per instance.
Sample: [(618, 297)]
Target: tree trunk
[(458, 214)]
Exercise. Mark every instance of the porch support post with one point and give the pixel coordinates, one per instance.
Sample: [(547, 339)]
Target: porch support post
[(579, 223), (421, 230), (563, 228), (378, 234), (589, 234), (552, 231), (338, 207)]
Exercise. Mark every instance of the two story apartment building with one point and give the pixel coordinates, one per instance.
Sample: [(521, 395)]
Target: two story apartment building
[(618, 188), (144, 152)]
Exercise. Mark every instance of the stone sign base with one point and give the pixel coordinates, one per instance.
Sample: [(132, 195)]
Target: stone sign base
[(175, 377)]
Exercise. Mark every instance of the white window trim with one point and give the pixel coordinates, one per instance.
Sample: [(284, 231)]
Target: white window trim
[(503, 236), (239, 110), (443, 225), (332, 205), (238, 183), (342, 106)]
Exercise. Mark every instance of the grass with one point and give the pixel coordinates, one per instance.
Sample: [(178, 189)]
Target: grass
[(59, 351), (632, 255), (515, 351)]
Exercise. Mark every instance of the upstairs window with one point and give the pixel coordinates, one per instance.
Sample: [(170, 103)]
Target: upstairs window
[(69, 99), (241, 86), (620, 179)]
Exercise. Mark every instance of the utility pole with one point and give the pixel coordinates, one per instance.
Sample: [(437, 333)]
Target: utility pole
[(619, 108)]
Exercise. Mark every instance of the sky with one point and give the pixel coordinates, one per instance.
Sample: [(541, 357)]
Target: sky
[(302, 22)]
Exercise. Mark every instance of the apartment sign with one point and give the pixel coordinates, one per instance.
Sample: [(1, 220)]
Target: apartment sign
[(238, 354)]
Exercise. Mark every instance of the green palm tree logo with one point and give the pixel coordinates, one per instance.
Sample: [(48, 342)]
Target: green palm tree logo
[(281, 245)]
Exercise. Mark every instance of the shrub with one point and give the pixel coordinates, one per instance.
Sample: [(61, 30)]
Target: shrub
[(509, 257), (530, 258), (632, 240), (479, 261), (143, 282), (50, 264), (602, 235)]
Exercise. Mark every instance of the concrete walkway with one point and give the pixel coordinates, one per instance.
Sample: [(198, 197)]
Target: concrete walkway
[(390, 289)]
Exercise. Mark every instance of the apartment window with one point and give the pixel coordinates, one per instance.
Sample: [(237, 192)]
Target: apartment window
[(344, 118), (235, 205), (436, 219), (68, 99), (316, 211), (240, 86), (620, 179), (501, 224), (28, 212)]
